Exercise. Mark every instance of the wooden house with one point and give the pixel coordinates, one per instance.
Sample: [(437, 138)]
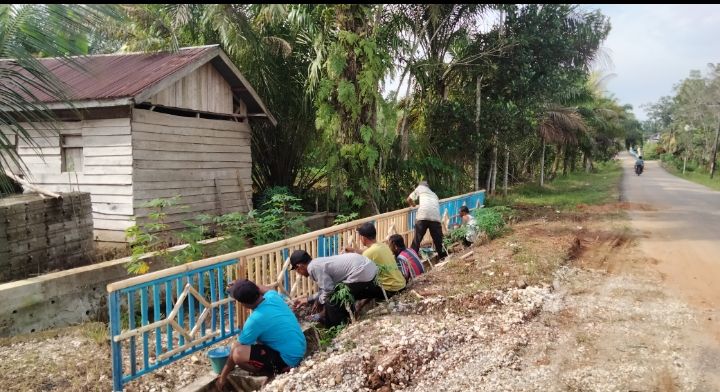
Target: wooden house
[(147, 126)]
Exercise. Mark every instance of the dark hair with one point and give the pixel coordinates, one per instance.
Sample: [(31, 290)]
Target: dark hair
[(299, 257), (398, 241), (245, 291), (465, 209), (367, 230)]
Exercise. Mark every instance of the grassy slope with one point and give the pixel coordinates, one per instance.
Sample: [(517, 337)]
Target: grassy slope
[(566, 192), (699, 177)]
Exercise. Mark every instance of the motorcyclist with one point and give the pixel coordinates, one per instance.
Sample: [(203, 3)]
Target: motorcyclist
[(639, 164)]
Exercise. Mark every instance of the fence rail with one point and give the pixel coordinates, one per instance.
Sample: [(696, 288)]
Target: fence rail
[(163, 316)]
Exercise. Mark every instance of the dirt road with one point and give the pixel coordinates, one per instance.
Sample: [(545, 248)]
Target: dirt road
[(681, 230)]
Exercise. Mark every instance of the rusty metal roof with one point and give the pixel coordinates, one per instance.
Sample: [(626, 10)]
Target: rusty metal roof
[(116, 76)]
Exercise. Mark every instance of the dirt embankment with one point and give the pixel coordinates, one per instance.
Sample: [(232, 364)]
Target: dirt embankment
[(593, 317)]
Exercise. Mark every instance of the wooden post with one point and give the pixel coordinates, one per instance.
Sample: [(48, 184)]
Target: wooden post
[(219, 204), (245, 196)]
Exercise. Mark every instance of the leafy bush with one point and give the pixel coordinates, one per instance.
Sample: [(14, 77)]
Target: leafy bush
[(280, 218), (492, 220), (151, 236), (455, 235), (268, 194)]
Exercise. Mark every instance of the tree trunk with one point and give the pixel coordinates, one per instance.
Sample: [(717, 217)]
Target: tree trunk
[(684, 164), (327, 195), (507, 165), (488, 181), (542, 162), (714, 153), (404, 133), (478, 99), (494, 166), (556, 163)]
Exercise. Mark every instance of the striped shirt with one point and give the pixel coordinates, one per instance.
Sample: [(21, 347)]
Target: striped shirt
[(409, 263)]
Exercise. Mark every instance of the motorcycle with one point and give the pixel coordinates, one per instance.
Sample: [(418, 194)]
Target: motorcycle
[(638, 169)]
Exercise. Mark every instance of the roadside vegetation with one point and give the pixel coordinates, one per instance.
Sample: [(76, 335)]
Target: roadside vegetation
[(568, 192)]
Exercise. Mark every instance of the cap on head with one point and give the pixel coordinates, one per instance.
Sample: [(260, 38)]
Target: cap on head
[(299, 257), (245, 291), (367, 230)]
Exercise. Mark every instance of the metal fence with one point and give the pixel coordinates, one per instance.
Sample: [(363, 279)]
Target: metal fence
[(160, 317)]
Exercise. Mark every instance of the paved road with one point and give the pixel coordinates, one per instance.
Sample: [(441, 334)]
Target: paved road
[(682, 232)]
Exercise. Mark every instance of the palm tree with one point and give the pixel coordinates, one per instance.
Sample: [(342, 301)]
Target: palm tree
[(562, 126), (26, 32)]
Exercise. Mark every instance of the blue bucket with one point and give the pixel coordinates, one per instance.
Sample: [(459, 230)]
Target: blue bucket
[(218, 357)]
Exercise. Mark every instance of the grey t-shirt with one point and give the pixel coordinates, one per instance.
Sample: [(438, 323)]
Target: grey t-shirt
[(345, 268)]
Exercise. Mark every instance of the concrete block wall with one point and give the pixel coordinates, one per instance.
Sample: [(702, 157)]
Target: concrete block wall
[(39, 235)]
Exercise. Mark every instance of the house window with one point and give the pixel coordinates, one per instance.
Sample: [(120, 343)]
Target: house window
[(71, 153)]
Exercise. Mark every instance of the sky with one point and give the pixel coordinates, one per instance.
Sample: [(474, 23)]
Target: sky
[(654, 47)]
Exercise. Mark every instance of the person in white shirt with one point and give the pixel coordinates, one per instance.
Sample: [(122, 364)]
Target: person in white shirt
[(468, 221), (427, 218)]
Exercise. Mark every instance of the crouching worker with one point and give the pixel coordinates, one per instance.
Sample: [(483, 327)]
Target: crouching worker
[(355, 270), (407, 260), (468, 221), (271, 340)]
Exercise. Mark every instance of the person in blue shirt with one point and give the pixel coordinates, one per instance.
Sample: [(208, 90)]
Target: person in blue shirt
[(271, 340)]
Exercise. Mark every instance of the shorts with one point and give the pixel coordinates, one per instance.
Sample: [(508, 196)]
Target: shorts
[(266, 360)]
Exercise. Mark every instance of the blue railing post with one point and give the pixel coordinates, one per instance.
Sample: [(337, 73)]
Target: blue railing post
[(114, 309), (321, 245)]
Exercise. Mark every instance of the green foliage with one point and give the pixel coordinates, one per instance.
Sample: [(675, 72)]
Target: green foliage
[(692, 172), (327, 335), (280, 218), (320, 69), (650, 151), (340, 218), (492, 220), (150, 236), (455, 235), (342, 295)]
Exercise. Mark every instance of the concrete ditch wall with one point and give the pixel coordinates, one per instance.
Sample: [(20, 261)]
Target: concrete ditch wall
[(38, 235), (61, 298), (65, 298)]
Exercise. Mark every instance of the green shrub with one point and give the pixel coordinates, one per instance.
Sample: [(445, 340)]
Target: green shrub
[(279, 218), (151, 236), (650, 152), (492, 220)]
